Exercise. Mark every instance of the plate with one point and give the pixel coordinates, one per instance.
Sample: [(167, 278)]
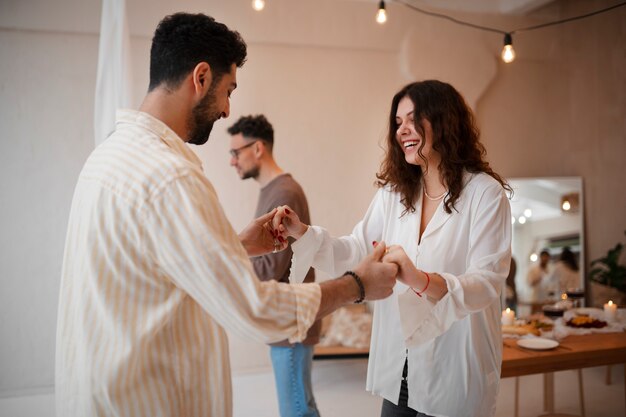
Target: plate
[(537, 343)]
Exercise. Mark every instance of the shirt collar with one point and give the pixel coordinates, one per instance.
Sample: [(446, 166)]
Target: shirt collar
[(160, 129)]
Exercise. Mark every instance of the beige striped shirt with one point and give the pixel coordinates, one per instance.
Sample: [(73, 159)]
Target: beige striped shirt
[(152, 274)]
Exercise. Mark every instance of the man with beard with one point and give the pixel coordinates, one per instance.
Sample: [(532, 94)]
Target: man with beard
[(153, 272), (251, 151)]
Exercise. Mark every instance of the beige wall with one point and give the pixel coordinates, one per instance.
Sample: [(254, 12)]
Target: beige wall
[(560, 110), (324, 73)]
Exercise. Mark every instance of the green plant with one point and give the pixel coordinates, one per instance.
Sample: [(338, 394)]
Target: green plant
[(608, 271)]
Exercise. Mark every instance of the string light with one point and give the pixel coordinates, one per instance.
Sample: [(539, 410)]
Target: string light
[(258, 5), (508, 53), (381, 15)]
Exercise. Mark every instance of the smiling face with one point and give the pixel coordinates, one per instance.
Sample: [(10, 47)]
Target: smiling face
[(417, 147)]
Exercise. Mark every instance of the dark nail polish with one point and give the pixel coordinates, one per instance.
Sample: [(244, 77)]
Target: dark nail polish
[(374, 243), (287, 211)]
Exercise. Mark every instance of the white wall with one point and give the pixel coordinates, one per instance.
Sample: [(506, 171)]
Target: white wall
[(324, 73)]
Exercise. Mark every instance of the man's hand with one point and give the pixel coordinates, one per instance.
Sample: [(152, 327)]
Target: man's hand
[(259, 237), (378, 277)]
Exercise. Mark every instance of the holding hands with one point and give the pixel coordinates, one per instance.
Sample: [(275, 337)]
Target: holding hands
[(287, 223), (407, 272), (378, 277), (260, 237)]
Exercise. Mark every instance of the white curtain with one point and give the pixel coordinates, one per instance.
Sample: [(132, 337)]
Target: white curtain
[(113, 82)]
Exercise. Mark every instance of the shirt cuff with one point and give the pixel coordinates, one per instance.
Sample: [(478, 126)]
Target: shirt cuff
[(308, 300), (304, 250), (419, 317)]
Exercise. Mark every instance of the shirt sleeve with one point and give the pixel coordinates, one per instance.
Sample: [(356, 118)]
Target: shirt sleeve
[(190, 239), (335, 255), (489, 258)]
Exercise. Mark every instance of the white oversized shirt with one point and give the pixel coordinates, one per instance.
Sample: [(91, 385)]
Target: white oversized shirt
[(454, 346), (152, 274)]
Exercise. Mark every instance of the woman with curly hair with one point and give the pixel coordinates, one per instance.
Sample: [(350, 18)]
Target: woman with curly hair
[(436, 344)]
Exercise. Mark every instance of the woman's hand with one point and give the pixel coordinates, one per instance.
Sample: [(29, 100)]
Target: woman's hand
[(287, 223), (260, 237), (407, 272)]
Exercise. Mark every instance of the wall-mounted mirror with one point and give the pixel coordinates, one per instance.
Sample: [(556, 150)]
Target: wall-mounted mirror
[(548, 239)]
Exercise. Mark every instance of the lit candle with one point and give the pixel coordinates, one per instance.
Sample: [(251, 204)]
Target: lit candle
[(508, 317), (610, 311)]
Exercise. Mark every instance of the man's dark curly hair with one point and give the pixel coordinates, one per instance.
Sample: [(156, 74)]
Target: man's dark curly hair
[(254, 127), (183, 40), (455, 138)]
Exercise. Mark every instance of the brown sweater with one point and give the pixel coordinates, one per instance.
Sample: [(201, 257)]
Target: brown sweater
[(284, 190)]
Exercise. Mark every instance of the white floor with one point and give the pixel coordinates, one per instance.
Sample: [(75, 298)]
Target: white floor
[(339, 390)]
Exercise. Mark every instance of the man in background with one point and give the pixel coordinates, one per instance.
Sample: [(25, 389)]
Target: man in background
[(153, 273), (251, 150), (537, 277)]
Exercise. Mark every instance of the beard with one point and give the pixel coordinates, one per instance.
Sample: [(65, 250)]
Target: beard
[(251, 173), (200, 125)]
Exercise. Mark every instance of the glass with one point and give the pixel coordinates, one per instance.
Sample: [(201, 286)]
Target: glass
[(235, 152), (576, 295)]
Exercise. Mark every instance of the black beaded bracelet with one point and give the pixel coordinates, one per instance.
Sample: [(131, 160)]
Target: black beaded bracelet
[(360, 284)]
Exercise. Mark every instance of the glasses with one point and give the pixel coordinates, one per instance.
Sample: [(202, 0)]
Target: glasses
[(235, 152)]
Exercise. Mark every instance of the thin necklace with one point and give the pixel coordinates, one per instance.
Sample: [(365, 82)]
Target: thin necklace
[(439, 197)]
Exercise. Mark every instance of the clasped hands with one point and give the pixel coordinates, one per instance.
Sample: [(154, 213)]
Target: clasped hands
[(378, 271)]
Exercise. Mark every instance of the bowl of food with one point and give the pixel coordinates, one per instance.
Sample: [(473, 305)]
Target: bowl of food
[(585, 322)]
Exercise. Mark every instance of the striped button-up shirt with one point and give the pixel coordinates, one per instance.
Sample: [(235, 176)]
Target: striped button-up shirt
[(152, 274)]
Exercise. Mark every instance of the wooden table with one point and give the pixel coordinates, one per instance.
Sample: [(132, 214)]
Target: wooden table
[(339, 352), (574, 352)]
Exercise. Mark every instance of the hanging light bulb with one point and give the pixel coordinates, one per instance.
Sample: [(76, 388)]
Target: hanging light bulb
[(258, 5), (381, 16), (528, 213), (566, 205), (508, 53)]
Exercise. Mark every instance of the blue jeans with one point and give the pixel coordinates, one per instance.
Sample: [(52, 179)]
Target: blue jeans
[(292, 371)]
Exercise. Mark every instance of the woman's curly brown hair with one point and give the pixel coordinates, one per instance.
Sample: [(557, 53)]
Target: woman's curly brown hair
[(455, 138)]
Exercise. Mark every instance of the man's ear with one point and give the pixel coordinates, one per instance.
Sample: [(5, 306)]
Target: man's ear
[(259, 148), (202, 78)]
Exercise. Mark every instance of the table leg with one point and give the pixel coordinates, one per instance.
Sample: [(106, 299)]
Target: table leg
[(581, 392), (548, 392), (517, 396)]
